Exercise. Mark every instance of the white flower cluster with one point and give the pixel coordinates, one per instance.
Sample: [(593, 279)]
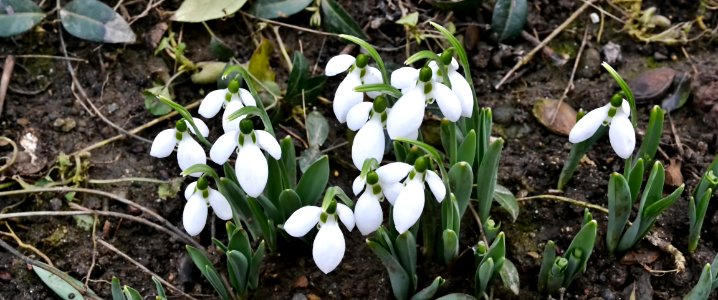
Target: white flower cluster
[(239, 136), (402, 184)]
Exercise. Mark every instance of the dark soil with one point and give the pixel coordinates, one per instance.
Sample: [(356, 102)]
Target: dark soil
[(113, 77)]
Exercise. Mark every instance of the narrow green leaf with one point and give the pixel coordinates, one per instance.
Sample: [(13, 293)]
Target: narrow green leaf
[(273, 9), (405, 246), (302, 87), (216, 282), (160, 290), (421, 55), (507, 201), (580, 250), (238, 201), (314, 181), (619, 209), (651, 140), (508, 19), (577, 152), (549, 256), (428, 292), (463, 58), (131, 294), (510, 276), (95, 21), (709, 179), (400, 282), (238, 267), (372, 52), (483, 276), (201, 168), (117, 289), (486, 179), (267, 229), (467, 149), (256, 263), (635, 179), (18, 16), (457, 296), (702, 289), (222, 247), (696, 215), (450, 245), (627, 93), (289, 160), (60, 286), (289, 202), (379, 87), (276, 181), (336, 19), (195, 11), (461, 179), (253, 110), (484, 133), (239, 241)]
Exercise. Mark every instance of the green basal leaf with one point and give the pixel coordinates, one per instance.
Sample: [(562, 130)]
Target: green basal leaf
[(18, 16), (486, 179), (580, 250), (449, 140), (220, 50), (507, 201), (276, 180), (405, 246), (577, 152), (508, 19), (117, 289), (195, 11), (289, 202), (66, 287), (372, 52), (483, 276), (702, 289), (709, 179), (336, 19), (484, 133), (651, 140), (95, 21), (201, 168), (461, 179), (270, 209), (273, 9), (400, 282), (216, 282), (239, 241), (457, 296), (497, 251), (314, 181), (450, 243), (238, 267), (317, 129), (256, 263), (626, 91), (467, 149), (428, 292), (510, 277), (289, 159), (302, 87), (131, 294), (549, 256), (379, 87), (651, 213), (654, 187), (160, 290), (635, 179), (696, 215), (238, 201), (619, 209), (267, 227), (221, 246)]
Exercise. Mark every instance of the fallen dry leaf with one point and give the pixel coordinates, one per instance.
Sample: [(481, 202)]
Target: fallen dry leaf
[(565, 116)]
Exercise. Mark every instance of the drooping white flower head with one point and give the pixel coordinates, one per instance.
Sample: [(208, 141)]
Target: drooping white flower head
[(198, 195), (459, 85), (367, 212), (369, 119), (407, 114), (403, 186), (232, 99), (328, 248), (189, 151), (615, 114), (359, 73), (251, 165)]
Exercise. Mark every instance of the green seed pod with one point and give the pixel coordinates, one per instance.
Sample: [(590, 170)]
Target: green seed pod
[(362, 61), (181, 126), (233, 86), (246, 126), (380, 104), (420, 165), (425, 74)]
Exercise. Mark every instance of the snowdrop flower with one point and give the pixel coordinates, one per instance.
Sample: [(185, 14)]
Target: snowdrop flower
[(232, 99), (189, 151), (406, 115), (198, 194), (251, 165), (615, 114), (368, 118), (367, 212), (408, 196), (358, 74), (328, 248), (459, 85)]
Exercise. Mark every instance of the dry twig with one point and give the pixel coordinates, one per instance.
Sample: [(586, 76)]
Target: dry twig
[(5, 79)]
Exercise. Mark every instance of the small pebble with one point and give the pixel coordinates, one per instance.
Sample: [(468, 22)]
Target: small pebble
[(64, 124), (5, 276), (612, 53), (301, 282), (313, 297), (299, 296), (23, 122), (55, 204)]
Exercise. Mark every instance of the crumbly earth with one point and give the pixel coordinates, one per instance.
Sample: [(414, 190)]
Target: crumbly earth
[(45, 106)]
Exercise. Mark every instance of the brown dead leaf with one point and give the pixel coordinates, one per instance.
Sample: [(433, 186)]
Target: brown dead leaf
[(558, 119), (642, 257), (674, 177)]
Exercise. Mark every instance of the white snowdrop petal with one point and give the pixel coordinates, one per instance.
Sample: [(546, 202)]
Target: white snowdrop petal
[(346, 215), (409, 205), (232, 125), (367, 213), (626, 107), (373, 76), (252, 170), (393, 172), (247, 98), (223, 147), (189, 190), (368, 143), (436, 186), (404, 77), (302, 221), (358, 115), (201, 126), (194, 215), (587, 126), (462, 90), (454, 65), (448, 102), (219, 204), (266, 141), (622, 135), (406, 115), (345, 97), (328, 248), (212, 103), (190, 153), (164, 143), (339, 64), (391, 190), (358, 185)]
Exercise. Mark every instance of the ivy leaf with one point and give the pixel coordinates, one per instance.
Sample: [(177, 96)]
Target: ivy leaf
[(95, 21), (153, 104), (273, 9), (18, 16), (508, 19), (195, 11), (337, 20)]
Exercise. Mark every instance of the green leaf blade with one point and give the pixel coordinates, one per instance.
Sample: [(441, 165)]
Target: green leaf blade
[(195, 11), (95, 21), (508, 19), (25, 15)]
